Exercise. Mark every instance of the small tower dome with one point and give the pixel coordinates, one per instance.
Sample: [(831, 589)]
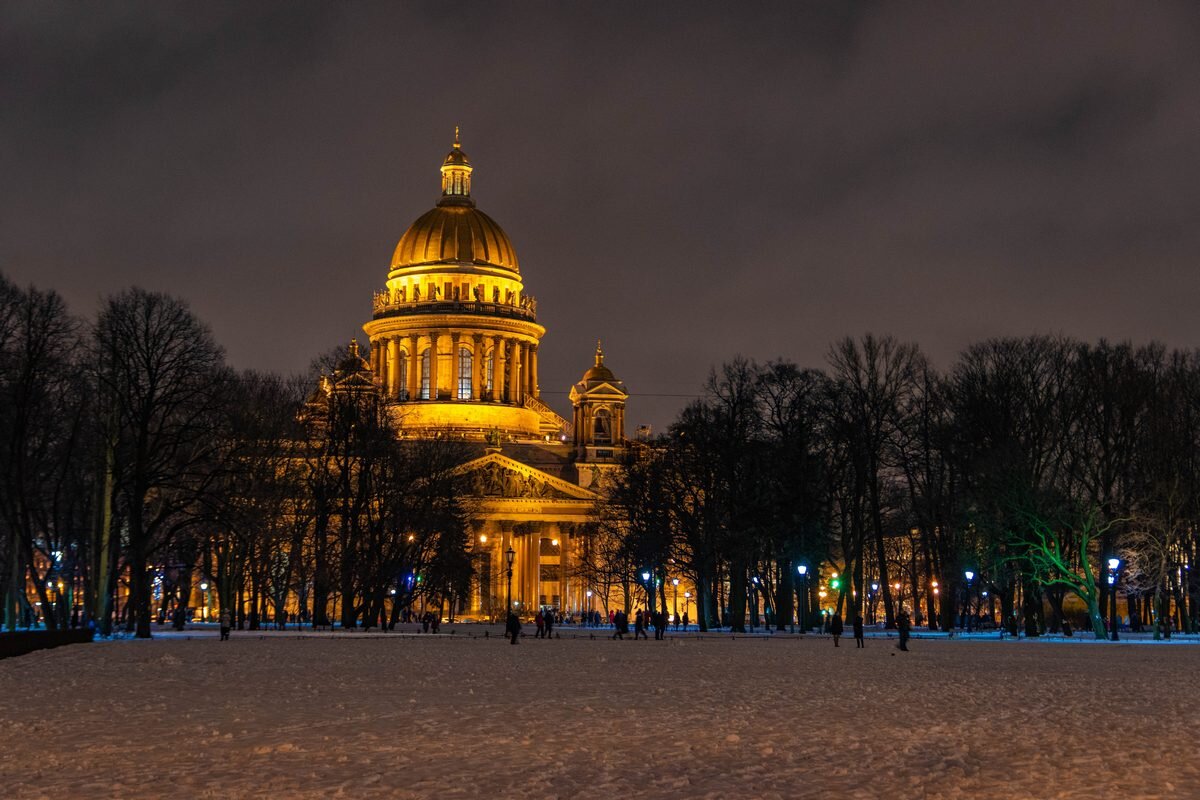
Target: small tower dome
[(599, 405)]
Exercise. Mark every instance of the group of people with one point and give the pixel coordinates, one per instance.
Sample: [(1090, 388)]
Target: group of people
[(545, 623), (836, 629), (642, 621)]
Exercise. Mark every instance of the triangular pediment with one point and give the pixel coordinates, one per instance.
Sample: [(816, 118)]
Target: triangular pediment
[(604, 389), (497, 475)]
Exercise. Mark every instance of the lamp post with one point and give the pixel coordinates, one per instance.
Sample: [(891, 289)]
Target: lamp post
[(753, 601), (1114, 565), (803, 570), (646, 584), (509, 555), (204, 591), (687, 601), (675, 583), (967, 606)]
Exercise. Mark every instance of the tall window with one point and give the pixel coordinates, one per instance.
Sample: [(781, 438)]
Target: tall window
[(603, 427), (464, 373), (425, 374), (402, 375), (489, 369)]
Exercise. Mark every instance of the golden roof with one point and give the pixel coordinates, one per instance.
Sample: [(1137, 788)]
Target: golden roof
[(455, 232), (455, 235), (599, 372)]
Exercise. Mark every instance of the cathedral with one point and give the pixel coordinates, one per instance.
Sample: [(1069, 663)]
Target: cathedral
[(454, 349)]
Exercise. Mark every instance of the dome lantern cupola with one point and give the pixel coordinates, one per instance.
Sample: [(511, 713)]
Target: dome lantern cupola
[(455, 232), (456, 176)]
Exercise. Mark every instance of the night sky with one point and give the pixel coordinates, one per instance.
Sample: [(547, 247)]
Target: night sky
[(686, 181)]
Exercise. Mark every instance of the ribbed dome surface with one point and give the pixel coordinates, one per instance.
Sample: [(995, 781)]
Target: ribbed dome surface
[(598, 373), (452, 234)]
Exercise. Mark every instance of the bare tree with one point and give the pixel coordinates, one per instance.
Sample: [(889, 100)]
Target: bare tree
[(161, 378), (44, 492), (873, 379)]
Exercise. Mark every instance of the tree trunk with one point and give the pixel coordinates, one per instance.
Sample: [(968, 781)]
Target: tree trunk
[(139, 584), (784, 608), (704, 605), (1095, 617), (1055, 597), (737, 597), (1032, 608)]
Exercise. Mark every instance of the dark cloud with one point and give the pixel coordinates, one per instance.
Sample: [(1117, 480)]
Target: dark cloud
[(686, 180)]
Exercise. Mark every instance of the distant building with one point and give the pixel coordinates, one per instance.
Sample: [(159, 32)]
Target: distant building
[(454, 348)]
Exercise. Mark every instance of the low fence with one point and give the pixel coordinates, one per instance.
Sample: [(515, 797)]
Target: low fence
[(21, 642)]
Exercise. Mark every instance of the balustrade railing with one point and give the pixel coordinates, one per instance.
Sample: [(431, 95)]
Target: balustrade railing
[(549, 414), (386, 305)]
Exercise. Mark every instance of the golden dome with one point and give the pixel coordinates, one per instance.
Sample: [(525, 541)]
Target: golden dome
[(598, 372), (455, 232)]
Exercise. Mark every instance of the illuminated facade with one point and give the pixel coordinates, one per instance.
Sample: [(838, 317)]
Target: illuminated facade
[(454, 347)]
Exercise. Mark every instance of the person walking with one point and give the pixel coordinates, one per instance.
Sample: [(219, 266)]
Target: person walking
[(685, 620), (639, 626), (549, 620), (904, 627), (835, 628), (660, 625), (540, 620), (620, 624), (513, 626), (224, 624), (858, 631)]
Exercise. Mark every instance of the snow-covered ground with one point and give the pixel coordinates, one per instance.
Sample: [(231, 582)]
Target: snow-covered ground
[(453, 716)]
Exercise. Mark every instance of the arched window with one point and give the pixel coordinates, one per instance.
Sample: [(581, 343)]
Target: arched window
[(425, 374), (489, 369), (402, 375), (602, 427), (464, 373)]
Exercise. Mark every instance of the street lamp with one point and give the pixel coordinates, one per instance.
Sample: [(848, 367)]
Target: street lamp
[(1114, 565), (803, 570), (675, 583), (509, 555), (753, 601), (969, 576), (204, 590)]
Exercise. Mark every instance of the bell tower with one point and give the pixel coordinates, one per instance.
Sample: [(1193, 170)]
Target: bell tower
[(599, 419)]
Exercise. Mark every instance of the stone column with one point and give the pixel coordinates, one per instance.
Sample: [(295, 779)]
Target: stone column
[(477, 366), (514, 374), (414, 367), (524, 371), (393, 367), (433, 364), (521, 572), (533, 574), (564, 564), (533, 371), (500, 358)]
